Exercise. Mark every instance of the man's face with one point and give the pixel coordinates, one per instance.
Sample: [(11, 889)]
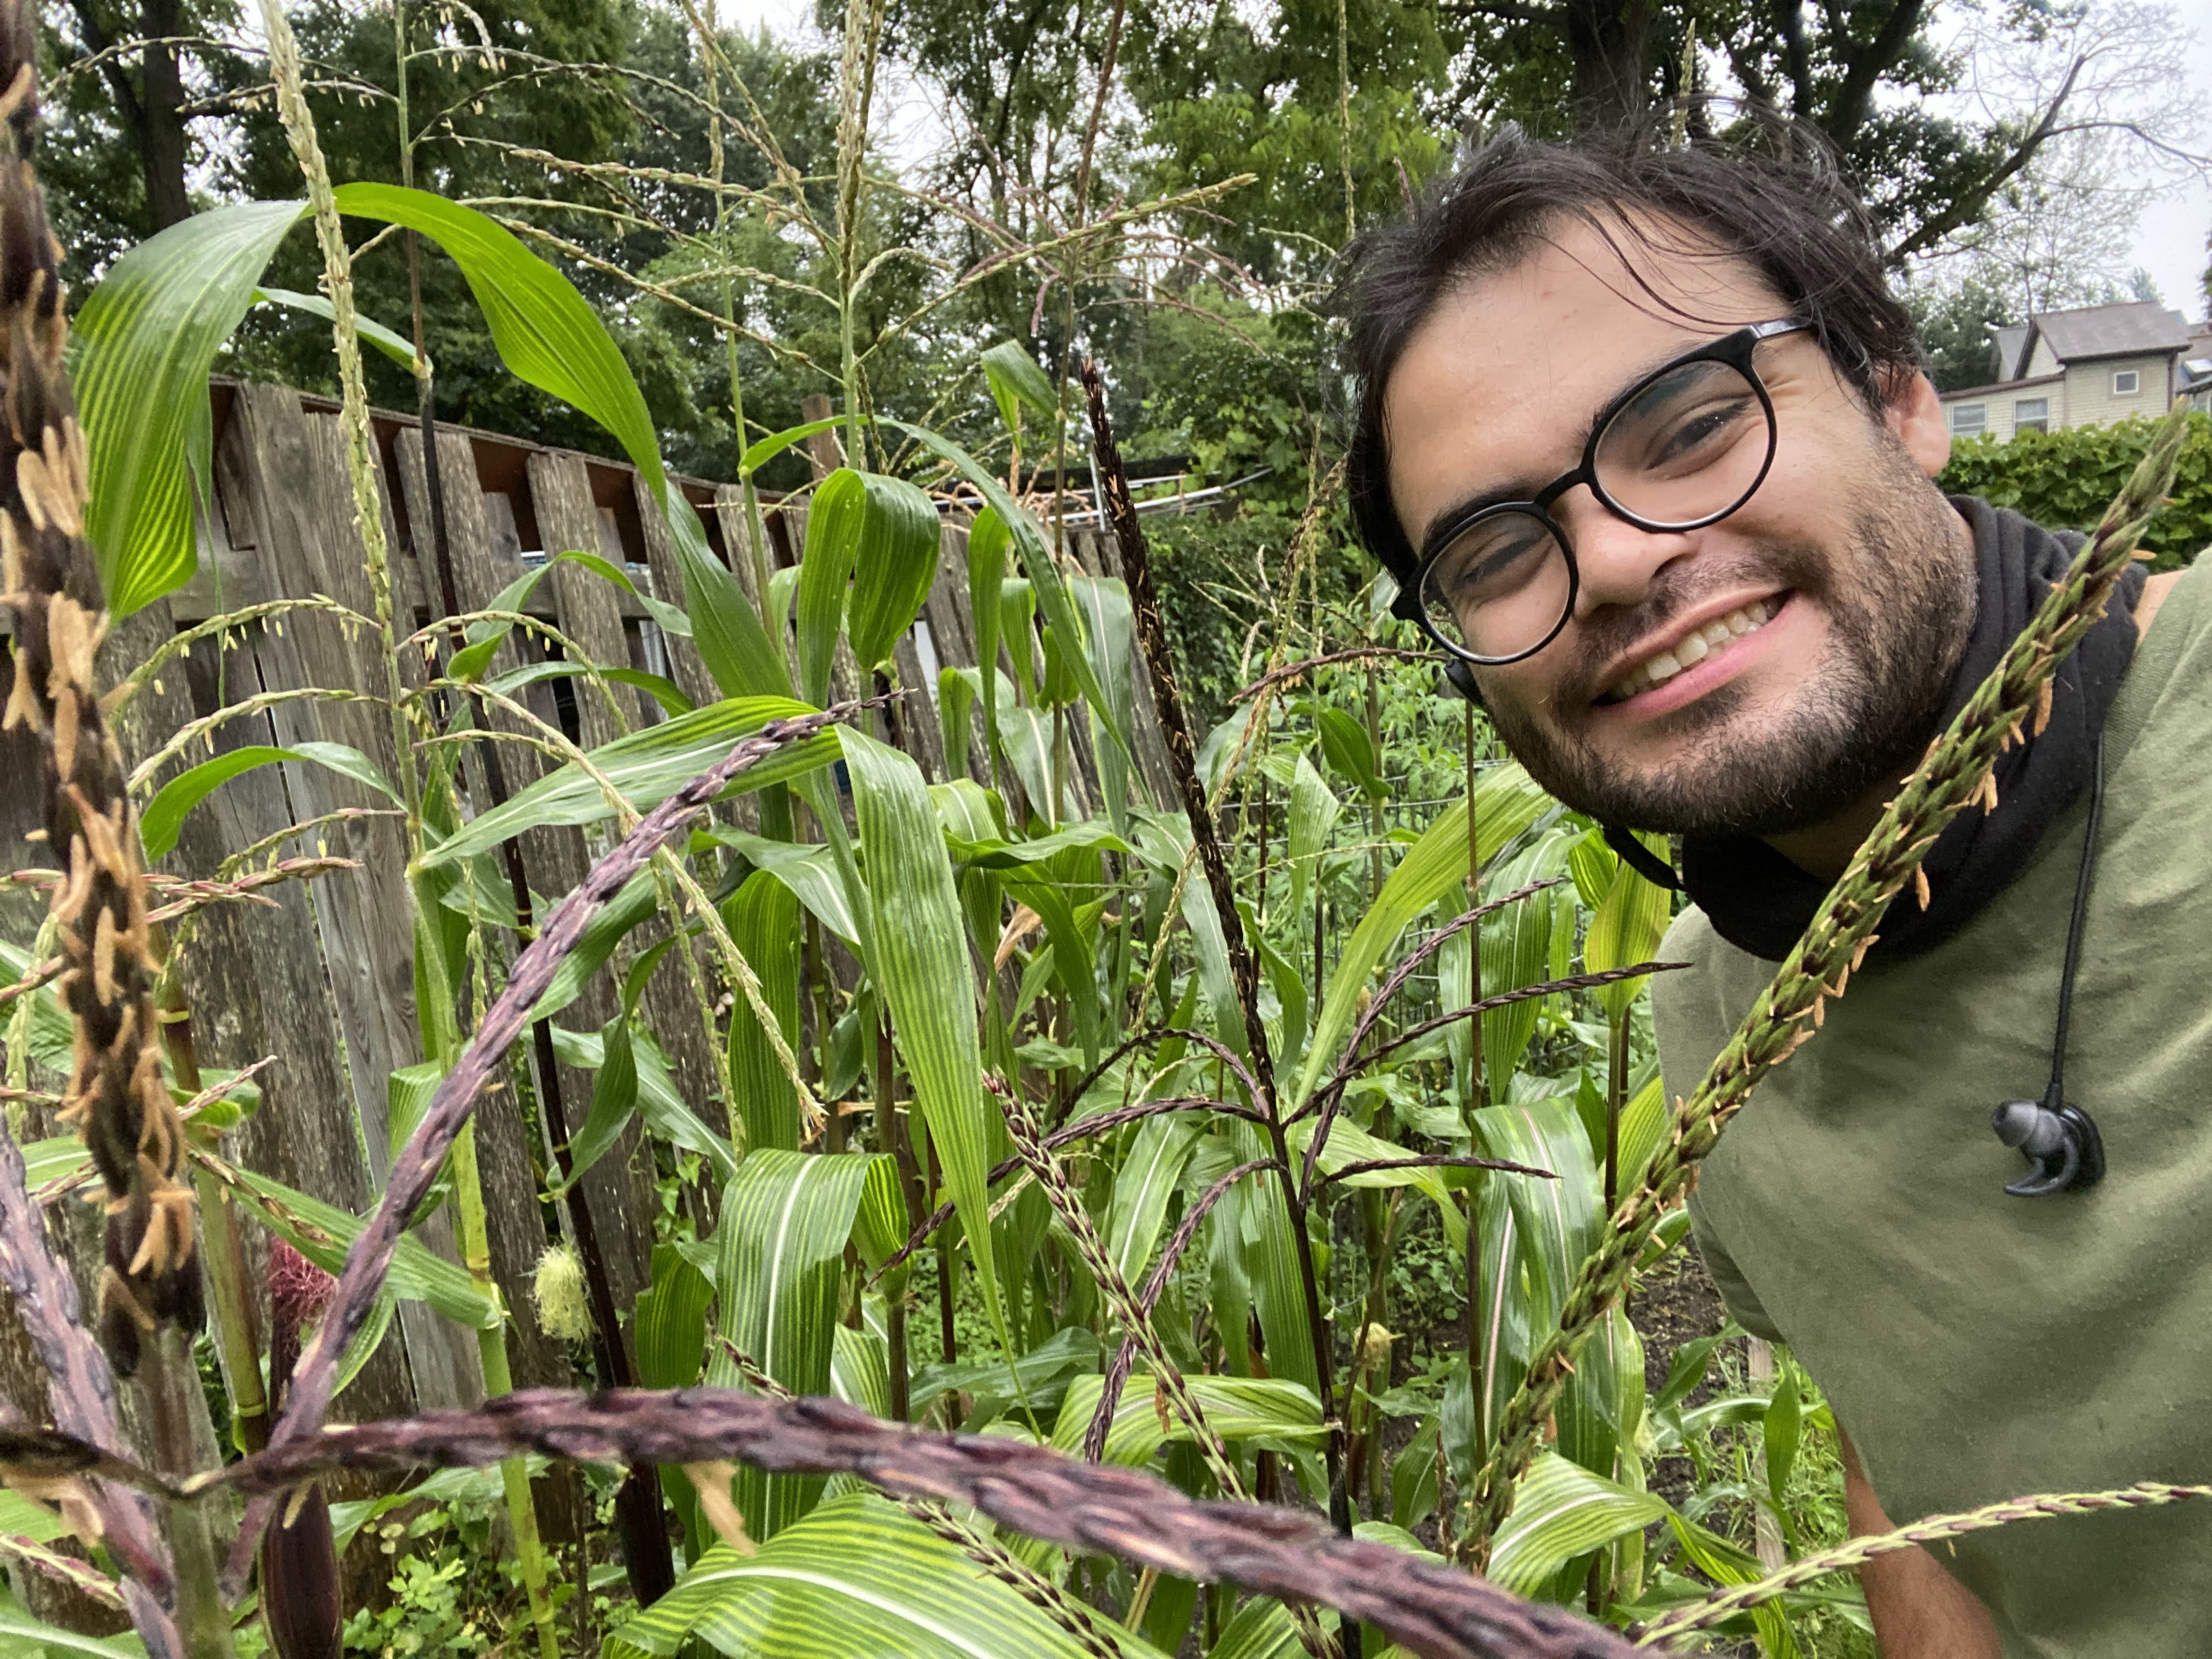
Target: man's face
[(1832, 607)]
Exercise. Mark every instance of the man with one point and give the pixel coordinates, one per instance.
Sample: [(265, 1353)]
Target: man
[(1645, 440)]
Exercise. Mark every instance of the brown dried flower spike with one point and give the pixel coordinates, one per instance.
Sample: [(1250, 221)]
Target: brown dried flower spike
[(117, 1096)]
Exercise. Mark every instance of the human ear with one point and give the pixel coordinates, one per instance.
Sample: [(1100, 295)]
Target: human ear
[(1914, 415)]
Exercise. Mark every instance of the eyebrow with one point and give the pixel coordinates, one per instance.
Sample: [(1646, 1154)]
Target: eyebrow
[(1522, 489)]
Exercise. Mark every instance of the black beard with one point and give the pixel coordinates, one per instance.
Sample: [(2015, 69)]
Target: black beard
[(1900, 599)]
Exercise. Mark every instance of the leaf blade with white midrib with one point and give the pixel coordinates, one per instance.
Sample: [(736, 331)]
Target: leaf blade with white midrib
[(1561, 1511)]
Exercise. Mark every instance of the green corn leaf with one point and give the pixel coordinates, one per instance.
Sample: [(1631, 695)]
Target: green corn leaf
[(972, 816), (893, 568), (393, 345), (1630, 923), (785, 1218), (667, 1114), (1724, 1564), (762, 917), (1015, 380), (1145, 1182), (1517, 950), (662, 690), (483, 637), (32, 1636), (1780, 1432), (1236, 1408), (1506, 802), (548, 336), (1018, 626), (920, 966), (1072, 951), (614, 1102), (647, 767), (1314, 811), (670, 1329), (1345, 741), (993, 852), (1560, 1511), (1053, 601), (835, 514), (860, 1370), (986, 573), (759, 454), (1109, 635), (51, 1039), (1043, 1374), (323, 1233), (165, 814), (858, 1576), (810, 872), (140, 353), (1164, 841), (638, 899), (1261, 1630)]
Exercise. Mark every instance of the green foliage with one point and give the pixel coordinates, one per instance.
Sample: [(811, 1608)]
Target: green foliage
[(2065, 479)]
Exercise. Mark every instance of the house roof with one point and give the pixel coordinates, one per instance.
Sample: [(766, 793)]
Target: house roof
[(1996, 387), (2011, 342), (2138, 328)]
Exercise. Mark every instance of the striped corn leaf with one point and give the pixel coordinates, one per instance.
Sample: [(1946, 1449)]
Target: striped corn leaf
[(861, 1370), (780, 1248), (987, 569), (1236, 1408), (762, 917), (920, 966), (1261, 1630), (647, 767), (858, 1579), (1313, 811), (1517, 950), (1561, 1511), (1506, 802), (1630, 923), (810, 871), (1143, 1184), (1110, 637)]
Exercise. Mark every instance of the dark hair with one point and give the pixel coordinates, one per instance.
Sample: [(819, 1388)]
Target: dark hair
[(1780, 204)]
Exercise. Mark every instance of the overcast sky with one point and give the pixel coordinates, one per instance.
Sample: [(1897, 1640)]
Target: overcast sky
[(2170, 241)]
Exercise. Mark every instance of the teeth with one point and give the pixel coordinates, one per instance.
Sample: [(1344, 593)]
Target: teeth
[(1690, 650)]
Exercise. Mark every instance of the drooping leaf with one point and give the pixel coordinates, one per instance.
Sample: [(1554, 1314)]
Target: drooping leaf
[(896, 563), (1627, 928), (1345, 742), (1142, 1185), (1015, 380), (1314, 811), (165, 814), (141, 349), (614, 1102)]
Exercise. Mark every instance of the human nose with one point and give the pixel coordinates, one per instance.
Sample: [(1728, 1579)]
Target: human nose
[(1616, 561)]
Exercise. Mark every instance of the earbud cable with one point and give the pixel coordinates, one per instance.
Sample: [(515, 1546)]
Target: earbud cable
[(2055, 1096)]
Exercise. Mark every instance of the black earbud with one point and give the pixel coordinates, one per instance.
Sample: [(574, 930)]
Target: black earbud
[(2060, 1141)]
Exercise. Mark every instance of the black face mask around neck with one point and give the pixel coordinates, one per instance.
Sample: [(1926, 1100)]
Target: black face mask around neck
[(1759, 901)]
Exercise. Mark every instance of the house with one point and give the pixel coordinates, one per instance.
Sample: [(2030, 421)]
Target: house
[(2080, 367)]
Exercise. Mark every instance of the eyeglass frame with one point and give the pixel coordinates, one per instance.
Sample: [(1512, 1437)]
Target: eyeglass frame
[(1733, 349)]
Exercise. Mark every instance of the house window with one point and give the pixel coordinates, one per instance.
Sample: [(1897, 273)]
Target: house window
[(1967, 419), (2031, 414), (2126, 382)]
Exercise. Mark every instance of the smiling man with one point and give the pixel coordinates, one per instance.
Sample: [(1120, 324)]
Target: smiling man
[(1644, 437)]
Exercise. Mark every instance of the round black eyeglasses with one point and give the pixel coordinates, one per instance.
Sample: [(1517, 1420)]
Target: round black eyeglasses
[(1682, 448)]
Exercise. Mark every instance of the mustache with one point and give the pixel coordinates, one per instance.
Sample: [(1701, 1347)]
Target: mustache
[(1601, 637)]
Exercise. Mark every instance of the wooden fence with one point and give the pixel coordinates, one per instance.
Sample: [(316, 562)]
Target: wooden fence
[(322, 978)]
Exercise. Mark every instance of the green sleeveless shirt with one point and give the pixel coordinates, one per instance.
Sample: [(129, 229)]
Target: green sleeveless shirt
[(1978, 1347)]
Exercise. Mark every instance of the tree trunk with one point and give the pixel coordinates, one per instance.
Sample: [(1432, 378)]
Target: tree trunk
[(161, 138), (1611, 43)]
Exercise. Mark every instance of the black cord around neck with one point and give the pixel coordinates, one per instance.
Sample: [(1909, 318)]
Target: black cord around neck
[(2056, 1093)]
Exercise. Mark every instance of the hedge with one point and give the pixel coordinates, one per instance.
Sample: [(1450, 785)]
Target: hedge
[(2065, 479)]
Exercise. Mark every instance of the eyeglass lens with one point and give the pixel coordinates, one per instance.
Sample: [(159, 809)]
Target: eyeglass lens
[(1688, 446)]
